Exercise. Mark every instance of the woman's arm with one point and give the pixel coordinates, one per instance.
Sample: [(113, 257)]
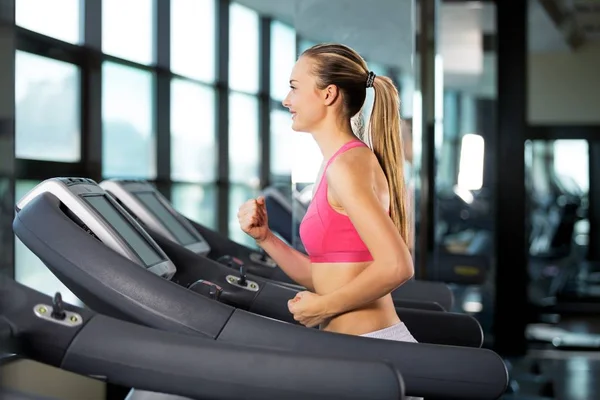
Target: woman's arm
[(295, 264), (351, 185)]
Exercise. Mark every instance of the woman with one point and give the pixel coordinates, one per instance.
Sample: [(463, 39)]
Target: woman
[(356, 228)]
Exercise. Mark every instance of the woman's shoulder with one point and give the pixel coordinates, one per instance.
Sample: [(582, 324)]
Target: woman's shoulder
[(356, 163)]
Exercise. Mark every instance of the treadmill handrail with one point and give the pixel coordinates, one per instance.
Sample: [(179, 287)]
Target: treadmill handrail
[(42, 226), (185, 365), (193, 366)]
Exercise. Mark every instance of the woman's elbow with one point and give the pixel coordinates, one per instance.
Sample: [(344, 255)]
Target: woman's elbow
[(403, 271)]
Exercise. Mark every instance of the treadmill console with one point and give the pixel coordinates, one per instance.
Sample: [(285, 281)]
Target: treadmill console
[(88, 205), (147, 204)]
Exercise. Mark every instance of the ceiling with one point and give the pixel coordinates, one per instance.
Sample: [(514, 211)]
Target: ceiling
[(585, 14), (383, 32)]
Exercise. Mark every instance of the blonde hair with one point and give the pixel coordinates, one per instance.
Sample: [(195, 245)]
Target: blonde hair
[(339, 65)]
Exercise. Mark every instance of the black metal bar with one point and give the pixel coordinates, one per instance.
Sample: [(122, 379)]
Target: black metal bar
[(162, 97), (7, 137), (264, 100), (222, 117), (456, 133), (486, 127), (554, 132), (91, 93), (49, 47), (428, 41), (594, 201), (40, 170), (510, 315)]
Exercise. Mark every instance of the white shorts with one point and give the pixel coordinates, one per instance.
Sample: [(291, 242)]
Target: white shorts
[(398, 332)]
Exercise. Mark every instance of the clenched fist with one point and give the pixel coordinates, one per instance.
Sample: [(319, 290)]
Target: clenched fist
[(253, 220)]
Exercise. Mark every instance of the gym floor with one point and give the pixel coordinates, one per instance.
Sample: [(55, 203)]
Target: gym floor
[(559, 374)]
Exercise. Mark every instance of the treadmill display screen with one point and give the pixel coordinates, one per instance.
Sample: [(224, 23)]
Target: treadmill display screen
[(183, 236), (136, 241)]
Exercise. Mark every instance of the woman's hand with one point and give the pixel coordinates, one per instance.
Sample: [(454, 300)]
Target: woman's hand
[(309, 309), (253, 219)]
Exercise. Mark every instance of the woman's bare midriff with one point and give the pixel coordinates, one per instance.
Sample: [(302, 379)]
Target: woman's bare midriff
[(328, 277)]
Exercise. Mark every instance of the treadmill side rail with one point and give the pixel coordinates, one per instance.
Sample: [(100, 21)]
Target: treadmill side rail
[(191, 366)]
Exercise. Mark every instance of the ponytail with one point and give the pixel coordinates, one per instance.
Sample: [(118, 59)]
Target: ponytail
[(385, 138)]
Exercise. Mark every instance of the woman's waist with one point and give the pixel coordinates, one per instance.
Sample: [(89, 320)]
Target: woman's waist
[(375, 316), (328, 277)]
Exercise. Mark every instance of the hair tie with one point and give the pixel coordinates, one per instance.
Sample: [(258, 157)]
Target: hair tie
[(371, 79)]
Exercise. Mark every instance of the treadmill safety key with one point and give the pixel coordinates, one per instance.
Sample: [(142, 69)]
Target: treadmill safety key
[(57, 314)]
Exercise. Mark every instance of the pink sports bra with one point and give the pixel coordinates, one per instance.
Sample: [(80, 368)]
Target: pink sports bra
[(327, 235)]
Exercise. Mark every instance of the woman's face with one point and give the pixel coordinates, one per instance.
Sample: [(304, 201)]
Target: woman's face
[(305, 101)]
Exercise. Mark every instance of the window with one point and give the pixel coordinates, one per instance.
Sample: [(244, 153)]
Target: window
[(29, 269), (244, 152), (283, 58), (408, 95), (307, 159), (128, 29), (193, 39), (472, 153), (193, 145), (238, 195), (196, 202), (128, 133), (47, 101), (468, 114), (243, 49), (571, 164), (60, 19), (282, 141)]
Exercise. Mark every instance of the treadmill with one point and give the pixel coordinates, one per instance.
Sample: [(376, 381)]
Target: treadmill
[(46, 330), (131, 279), (143, 201)]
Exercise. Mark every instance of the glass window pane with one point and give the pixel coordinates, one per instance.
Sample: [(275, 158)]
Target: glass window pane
[(243, 49), (196, 202), (283, 58), (193, 38), (306, 158), (282, 141), (128, 29), (47, 100), (238, 195), (193, 146), (571, 164), (29, 269), (244, 149), (472, 154), (129, 144), (60, 19)]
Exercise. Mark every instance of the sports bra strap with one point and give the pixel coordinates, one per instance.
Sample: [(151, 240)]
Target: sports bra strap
[(349, 145)]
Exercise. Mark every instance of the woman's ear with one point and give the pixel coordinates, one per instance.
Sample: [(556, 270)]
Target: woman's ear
[(330, 95)]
